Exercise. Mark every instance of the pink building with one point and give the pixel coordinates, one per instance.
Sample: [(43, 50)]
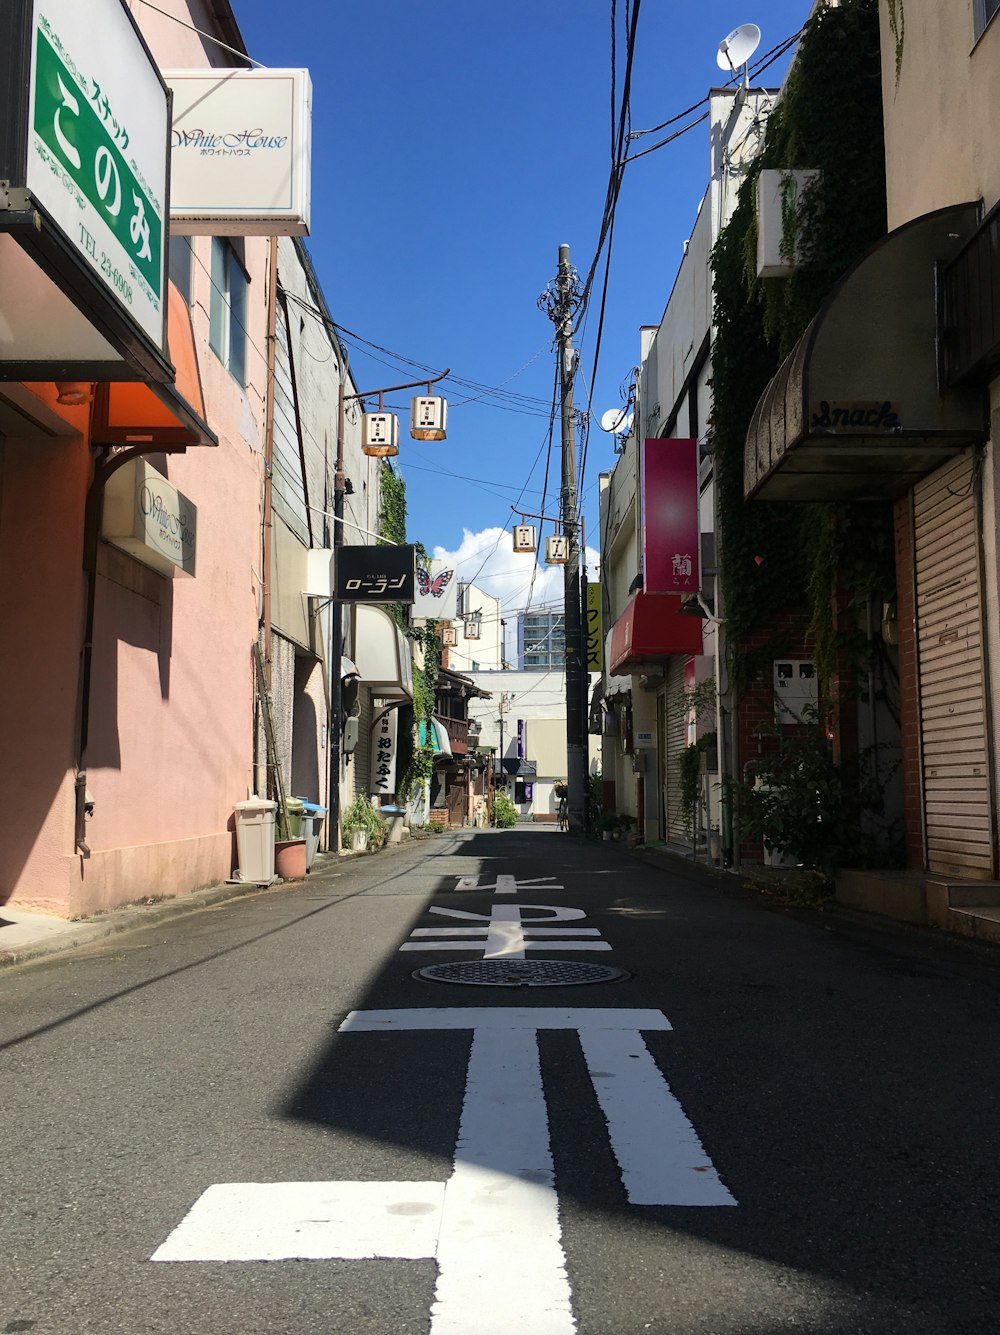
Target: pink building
[(127, 684)]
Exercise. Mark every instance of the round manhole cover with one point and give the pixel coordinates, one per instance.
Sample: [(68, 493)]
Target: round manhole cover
[(520, 973)]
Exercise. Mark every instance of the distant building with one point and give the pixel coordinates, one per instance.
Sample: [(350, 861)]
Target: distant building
[(541, 641)]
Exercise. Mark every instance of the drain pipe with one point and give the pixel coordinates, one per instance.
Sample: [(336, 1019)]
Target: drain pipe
[(111, 459)]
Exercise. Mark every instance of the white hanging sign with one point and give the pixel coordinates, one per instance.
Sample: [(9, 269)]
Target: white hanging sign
[(384, 747)]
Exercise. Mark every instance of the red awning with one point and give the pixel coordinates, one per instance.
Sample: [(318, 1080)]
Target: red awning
[(650, 629)]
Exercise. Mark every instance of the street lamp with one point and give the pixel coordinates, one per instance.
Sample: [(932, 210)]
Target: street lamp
[(380, 439)]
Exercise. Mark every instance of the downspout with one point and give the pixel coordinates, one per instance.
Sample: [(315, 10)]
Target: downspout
[(112, 458), (266, 516)]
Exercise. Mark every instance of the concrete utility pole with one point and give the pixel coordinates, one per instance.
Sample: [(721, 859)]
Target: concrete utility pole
[(561, 309)]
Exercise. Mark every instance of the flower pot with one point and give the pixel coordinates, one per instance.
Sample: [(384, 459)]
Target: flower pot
[(359, 840), (290, 859), (607, 835)]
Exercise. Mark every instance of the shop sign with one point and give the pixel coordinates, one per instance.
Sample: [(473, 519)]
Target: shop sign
[(520, 738), (437, 592), (643, 740), (375, 574), (595, 640), (384, 748), (146, 516), (670, 530), (97, 157), (240, 152)]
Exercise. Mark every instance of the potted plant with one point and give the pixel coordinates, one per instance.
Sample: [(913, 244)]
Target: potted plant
[(609, 825), (363, 825)]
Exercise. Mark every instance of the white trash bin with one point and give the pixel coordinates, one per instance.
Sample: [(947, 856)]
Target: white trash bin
[(255, 840)]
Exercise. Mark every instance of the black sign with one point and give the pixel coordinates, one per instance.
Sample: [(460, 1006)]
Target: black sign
[(375, 574)]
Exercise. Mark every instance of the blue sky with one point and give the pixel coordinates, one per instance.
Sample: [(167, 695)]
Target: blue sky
[(455, 147)]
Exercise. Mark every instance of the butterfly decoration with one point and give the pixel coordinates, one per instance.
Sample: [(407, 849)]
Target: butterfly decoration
[(434, 587)]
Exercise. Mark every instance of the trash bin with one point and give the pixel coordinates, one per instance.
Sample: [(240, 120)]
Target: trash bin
[(255, 840), (293, 815), (393, 817), (312, 819)]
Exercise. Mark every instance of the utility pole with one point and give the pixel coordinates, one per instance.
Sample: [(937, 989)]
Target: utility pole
[(561, 303)]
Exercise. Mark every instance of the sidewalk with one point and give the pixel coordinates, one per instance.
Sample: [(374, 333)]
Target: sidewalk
[(28, 936)]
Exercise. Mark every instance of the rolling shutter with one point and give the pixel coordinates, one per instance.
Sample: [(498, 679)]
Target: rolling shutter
[(958, 812), (676, 720)]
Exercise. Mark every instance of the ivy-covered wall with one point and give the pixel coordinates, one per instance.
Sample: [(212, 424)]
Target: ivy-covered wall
[(775, 557), (416, 759)]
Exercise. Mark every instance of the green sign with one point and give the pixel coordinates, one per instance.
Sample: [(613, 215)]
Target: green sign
[(87, 144)]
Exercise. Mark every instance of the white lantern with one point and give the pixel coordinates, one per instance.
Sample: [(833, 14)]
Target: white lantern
[(472, 625), (449, 637), (524, 538), (380, 434), (557, 550), (428, 417)]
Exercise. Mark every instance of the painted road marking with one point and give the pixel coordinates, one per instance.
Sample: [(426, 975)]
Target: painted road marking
[(505, 933), (493, 1227), (507, 885)]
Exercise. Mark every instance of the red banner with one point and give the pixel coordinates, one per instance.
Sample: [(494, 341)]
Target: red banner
[(670, 530)]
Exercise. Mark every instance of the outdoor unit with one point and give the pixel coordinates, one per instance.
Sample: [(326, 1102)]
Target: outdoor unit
[(380, 434), (428, 417)]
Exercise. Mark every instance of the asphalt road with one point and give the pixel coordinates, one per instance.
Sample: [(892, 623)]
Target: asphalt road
[(772, 1123)]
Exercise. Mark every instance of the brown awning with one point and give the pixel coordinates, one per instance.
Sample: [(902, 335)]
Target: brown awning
[(856, 411), (130, 412)]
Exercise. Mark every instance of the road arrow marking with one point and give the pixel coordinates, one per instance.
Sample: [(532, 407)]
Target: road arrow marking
[(506, 933)]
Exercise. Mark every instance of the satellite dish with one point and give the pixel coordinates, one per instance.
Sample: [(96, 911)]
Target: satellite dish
[(616, 419), (736, 49)]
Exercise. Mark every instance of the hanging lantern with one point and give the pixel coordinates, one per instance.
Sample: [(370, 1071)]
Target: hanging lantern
[(472, 625), (449, 637), (557, 550), (380, 434), (428, 417), (524, 538)]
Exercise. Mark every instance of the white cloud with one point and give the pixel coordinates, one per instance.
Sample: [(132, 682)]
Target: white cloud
[(488, 560)]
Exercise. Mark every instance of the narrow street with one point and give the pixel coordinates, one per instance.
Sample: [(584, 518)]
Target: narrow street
[(255, 1118)]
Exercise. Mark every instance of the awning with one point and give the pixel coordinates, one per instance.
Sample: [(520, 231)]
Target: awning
[(855, 411), (134, 413), (614, 685), (652, 628), (520, 769), (381, 652), (442, 743)]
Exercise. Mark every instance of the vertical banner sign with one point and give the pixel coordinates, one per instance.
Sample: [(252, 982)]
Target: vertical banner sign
[(595, 640), (670, 530), (520, 739), (98, 137), (384, 753)]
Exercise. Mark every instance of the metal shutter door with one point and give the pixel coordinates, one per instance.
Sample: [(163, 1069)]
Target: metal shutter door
[(676, 722), (958, 815)]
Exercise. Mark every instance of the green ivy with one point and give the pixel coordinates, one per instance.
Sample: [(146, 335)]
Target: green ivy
[(778, 556), (416, 760)]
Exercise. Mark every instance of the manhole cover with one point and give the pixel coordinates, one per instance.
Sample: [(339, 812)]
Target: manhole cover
[(520, 973)]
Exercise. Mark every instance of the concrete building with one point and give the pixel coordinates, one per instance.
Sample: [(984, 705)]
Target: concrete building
[(541, 640), (656, 658), (523, 722)]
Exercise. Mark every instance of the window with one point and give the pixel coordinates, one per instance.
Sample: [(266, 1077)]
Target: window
[(228, 311), (985, 9), (180, 265)]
